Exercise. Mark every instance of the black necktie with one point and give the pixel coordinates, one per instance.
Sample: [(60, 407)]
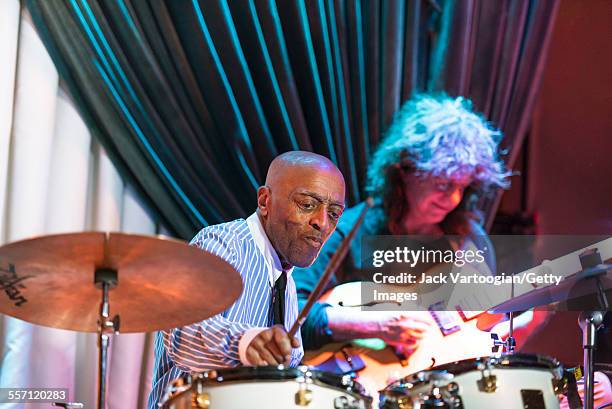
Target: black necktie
[(278, 299)]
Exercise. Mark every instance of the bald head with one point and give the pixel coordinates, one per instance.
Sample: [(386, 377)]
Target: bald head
[(300, 205), (299, 161)]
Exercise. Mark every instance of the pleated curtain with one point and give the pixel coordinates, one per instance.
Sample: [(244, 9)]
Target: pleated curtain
[(193, 98)]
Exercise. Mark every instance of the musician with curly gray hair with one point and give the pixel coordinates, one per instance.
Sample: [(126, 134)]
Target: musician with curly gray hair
[(436, 159)]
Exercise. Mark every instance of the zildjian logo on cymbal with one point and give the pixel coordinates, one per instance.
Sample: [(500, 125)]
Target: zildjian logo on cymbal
[(11, 283)]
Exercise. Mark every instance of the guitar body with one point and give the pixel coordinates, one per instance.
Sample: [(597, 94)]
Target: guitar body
[(382, 366)]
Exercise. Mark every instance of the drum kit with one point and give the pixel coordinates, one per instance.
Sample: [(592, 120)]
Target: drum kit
[(111, 282)]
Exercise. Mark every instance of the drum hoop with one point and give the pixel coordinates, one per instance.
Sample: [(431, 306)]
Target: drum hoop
[(264, 374), (516, 361), (505, 361)]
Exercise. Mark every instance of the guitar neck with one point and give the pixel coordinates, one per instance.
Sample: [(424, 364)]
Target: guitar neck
[(565, 267)]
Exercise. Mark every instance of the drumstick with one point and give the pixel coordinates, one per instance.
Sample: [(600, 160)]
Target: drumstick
[(332, 266)]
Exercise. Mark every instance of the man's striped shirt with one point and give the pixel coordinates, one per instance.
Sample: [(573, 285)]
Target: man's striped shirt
[(213, 343)]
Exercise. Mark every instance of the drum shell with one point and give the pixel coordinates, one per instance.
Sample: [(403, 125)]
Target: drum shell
[(516, 385)]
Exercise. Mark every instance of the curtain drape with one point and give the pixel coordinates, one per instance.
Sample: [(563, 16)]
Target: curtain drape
[(192, 99), (55, 178)]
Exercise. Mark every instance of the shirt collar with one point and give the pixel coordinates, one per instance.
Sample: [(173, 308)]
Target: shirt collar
[(263, 243)]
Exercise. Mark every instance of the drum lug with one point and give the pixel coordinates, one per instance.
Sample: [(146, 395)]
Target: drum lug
[(405, 403), (303, 397), (488, 383), (559, 385), (202, 400), (441, 398), (342, 402)]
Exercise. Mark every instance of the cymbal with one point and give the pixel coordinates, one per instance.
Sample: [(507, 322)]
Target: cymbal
[(577, 286), (162, 283)]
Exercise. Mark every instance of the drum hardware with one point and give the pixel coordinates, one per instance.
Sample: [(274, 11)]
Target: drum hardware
[(303, 397), (435, 376), (512, 380), (69, 405), (57, 272), (500, 345), (105, 278), (559, 385), (432, 400), (508, 345), (487, 383), (405, 403), (342, 402), (214, 375), (202, 400), (441, 394), (270, 387), (591, 280), (590, 321), (453, 388), (348, 380), (439, 400), (452, 396), (570, 389), (445, 397)]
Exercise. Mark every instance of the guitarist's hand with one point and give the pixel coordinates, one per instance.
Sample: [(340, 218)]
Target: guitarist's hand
[(398, 328), (402, 329), (271, 346)]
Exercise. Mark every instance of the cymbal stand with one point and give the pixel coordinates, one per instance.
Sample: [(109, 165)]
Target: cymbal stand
[(509, 345), (106, 279), (590, 321), (510, 341)]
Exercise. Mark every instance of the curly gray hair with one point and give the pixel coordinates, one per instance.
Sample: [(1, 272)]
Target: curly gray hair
[(435, 135)]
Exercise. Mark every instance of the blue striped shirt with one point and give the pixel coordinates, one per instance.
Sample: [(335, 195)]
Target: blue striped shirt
[(213, 343)]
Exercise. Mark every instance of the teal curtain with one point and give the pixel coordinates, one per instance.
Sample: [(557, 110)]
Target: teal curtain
[(192, 99)]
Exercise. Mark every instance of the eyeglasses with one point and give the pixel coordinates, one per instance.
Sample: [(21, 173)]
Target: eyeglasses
[(446, 185)]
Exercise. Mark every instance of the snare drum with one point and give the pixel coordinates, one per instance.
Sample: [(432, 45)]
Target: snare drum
[(511, 382), (265, 387)]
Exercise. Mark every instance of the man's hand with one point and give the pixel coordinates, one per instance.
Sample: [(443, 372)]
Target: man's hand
[(271, 346)]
